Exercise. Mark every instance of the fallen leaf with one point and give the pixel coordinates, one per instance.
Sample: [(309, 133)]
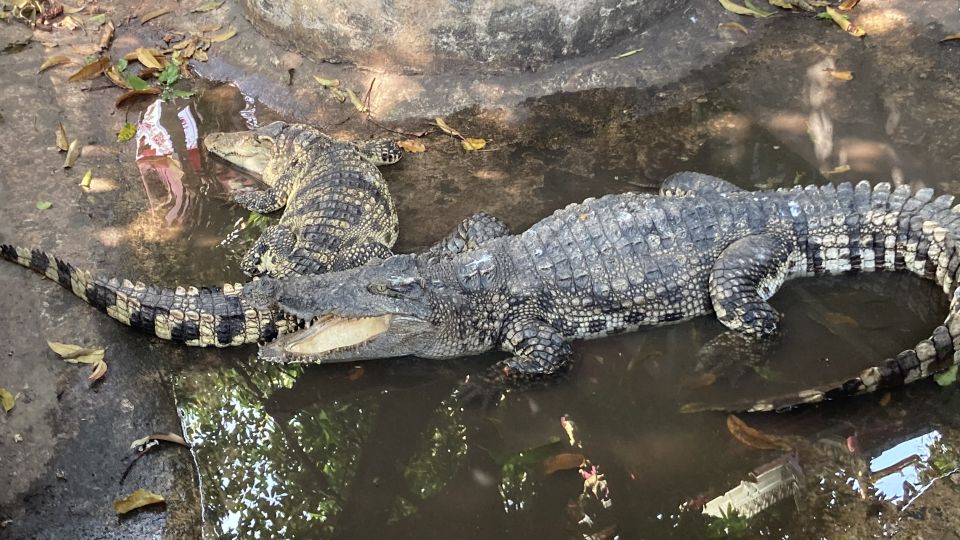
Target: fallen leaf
[(137, 499), (760, 13), (183, 44), (169, 437), (471, 145), (412, 145), (327, 83), (844, 23), (7, 399), (106, 35), (626, 54), (569, 427), (97, 20), (948, 377), (690, 408), (200, 55), (336, 93), (148, 59), (839, 169), (90, 70), (847, 5), (68, 351), (43, 205), (87, 178), (154, 14), (53, 61), (562, 462), (223, 36), (885, 400), (951, 37), (98, 371), (357, 104), (753, 438), (732, 26), (131, 56), (741, 10), (440, 123), (206, 6), (136, 83), (122, 100), (780, 4), (126, 132), (355, 373), (73, 153), (70, 10), (840, 75), (62, 143), (70, 23), (113, 73)]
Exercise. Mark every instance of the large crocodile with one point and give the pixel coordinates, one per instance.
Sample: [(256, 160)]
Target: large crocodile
[(338, 212), (619, 262)]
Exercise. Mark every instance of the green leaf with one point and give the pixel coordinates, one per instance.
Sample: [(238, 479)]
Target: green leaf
[(126, 132), (7, 399), (183, 93), (137, 83), (122, 64), (948, 377), (170, 74), (97, 20), (43, 205)]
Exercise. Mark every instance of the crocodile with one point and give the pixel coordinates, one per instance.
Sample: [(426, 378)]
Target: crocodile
[(337, 210), (624, 261)]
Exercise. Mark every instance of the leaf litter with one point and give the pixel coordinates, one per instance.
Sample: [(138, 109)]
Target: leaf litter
[(76, 354), (137, 499), (8, 400)]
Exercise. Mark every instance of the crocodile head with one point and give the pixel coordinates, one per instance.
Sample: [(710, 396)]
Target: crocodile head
[(264, 152), (375, 311)]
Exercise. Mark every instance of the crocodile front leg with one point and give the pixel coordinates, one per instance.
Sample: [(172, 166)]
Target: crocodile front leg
[(538, 349), (263, 201), (359, 255), (470, 233), (747, 273), (270, 254)]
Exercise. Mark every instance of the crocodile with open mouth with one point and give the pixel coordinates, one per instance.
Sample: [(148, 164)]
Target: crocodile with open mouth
[(624, 261)]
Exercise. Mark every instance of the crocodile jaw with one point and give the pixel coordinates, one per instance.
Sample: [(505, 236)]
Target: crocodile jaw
[(240, 149), (332, 333)]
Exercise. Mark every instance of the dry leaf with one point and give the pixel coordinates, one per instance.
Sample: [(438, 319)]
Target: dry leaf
[(839, 169), (471, 145), (91, 70), (847, 5), (148, 59), (357, 104), (70, 23), (732, 26), (840, 75), (73, 153), (122, 100), (57, 60), (562, 462), (327, 83), (184, 44), (131, 56), (200, 55), (412, 145), (76, 354), (87, 178), (439, 122), (62, 143), (626, 54), (116, 78), (207, 6), (845, 23), (223, 36), (741, 10), (753, 438), (154, 14), (780, 4), (336, 93), (355, 373), (99, 370), (70, 10), (951, 37), (568, 426), (137, 499), (7, 399), (106, 35)]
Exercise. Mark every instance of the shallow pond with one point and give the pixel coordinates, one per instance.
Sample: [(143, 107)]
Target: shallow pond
[(384, 449)]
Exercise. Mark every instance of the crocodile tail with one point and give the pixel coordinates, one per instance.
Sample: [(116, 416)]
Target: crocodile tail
[(207, 317), (900, 230)]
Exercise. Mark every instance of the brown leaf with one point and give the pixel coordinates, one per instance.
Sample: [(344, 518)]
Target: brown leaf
[(844, 23), (154, 14), (951, 37), (137, 499), (116, 78), (562, 462), (440, 123), (847, 5), (131, 56), (106, 35), (98, 371), (753, 438), (169, 437), (146, 57), (91, 70), (7, 399), (183, 44), (471, 145), (412, 145), (57, 60), (122, 100), (200, 55), (840, 75), (355, 373), (732, 26), (62, 143), (87, 178), (73, 154), (223, 36)]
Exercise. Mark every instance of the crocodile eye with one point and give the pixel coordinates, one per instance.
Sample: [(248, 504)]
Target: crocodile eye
[(377, 288), (407, 288)]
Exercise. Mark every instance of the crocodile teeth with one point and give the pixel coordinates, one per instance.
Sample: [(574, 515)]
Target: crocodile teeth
[(333, 333)]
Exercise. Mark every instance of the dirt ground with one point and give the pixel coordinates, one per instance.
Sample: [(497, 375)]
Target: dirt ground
[(66, 444)]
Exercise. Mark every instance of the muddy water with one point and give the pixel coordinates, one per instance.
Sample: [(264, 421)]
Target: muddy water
[(384, 449)]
